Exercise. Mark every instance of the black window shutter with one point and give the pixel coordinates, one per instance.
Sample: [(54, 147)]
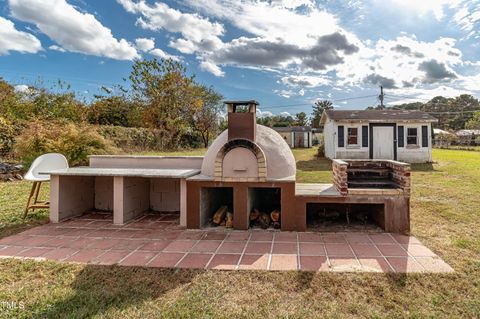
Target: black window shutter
[(364, 136), (424, 136), (401, 137), (341, 136)]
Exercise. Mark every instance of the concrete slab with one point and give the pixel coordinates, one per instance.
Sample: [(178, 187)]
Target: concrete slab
[(157, 240)]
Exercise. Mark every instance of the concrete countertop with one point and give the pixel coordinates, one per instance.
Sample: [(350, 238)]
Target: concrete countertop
[(129, 172)]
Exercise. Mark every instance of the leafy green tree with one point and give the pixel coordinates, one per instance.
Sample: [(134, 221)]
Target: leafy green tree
[(115, 110), (474, 122), (452, 113), (317, 110), (164, 88), (204, 118), (301, 119)]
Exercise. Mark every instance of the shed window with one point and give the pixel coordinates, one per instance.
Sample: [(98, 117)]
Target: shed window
[(412, 136), (352, 138)]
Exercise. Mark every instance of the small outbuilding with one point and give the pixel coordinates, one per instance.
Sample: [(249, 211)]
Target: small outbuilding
[(299, 136), (403, 135)]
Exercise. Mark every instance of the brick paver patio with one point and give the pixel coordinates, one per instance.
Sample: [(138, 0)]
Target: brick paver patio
[(156, 241)]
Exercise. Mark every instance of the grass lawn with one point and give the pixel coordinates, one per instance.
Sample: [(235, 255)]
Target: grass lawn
[(445, 216)]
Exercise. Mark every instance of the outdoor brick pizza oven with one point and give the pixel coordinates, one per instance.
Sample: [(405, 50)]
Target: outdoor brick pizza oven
[(248, 168)]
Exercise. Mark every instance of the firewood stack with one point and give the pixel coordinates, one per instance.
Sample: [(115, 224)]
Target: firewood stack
[(10, 172), (265, 220), (222, 217)]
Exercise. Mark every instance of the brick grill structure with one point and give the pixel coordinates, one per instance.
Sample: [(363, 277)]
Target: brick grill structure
[(248, 167), (380, 186)]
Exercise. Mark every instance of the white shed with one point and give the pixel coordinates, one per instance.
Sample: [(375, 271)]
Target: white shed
[(404, 135)]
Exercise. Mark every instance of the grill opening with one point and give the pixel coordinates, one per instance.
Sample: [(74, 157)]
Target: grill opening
[(345, 217), (370, 175), (264, 207), (216, 205)]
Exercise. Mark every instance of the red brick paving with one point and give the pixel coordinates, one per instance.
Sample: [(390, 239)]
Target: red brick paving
[(258, 248), (339, 250), (312, 249), (285, 248), (232, 247), (181, 246), (195, 260), (158, 241), (206, 246), (314, 263), (365, 250), (138, 258), (344, 264), (253, 262), (375, 264), (85, 255), (112, 257), (224, 261), (166, 260), (283, 262)]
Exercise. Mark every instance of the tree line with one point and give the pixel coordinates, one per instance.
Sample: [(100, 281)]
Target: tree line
[(461, 112), (161, 96)]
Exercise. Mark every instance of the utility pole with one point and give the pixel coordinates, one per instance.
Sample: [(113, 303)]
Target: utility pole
[(381, 96)]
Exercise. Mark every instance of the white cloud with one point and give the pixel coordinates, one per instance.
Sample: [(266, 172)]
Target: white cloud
[(197, 33), (13, 40), (148, 46), (271, 21), (57, 48), (263, 114), (281, 36), (292, 4), (162, 54), (424, 94), (285, 114), (144, 44), (22, 88), (212, 68), (305, 80), (467, 18), (71, 29), (307, 46), (402, 62), (285, 93), (437, 7)]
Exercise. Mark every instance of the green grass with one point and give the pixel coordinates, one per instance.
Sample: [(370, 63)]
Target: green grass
[(445, 215)]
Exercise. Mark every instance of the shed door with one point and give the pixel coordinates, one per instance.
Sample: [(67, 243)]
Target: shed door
[(383, 142), (299, 139)]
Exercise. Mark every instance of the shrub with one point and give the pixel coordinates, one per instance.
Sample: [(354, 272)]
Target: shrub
[(7, 136), (477, 141), (76, 142), (115, 110), (135, 139), (321, 147), (132, 139)]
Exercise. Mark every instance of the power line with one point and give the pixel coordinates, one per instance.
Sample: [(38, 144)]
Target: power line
[(406, 97), (308, 104)]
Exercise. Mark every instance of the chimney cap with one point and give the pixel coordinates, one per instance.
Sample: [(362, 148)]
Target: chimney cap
[(242, 102)]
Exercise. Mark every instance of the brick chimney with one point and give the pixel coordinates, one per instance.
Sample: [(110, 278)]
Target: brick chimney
[(242, 121)]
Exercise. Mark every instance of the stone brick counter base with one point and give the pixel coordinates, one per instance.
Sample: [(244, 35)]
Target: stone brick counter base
[(157, 241), (340, 177), (400, 172)]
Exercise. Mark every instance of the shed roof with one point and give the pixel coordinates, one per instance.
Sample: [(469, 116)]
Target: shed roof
[(293, 129), (378, 115)]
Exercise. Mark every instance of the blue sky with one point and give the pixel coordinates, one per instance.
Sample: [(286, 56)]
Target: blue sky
[(284, 53)]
